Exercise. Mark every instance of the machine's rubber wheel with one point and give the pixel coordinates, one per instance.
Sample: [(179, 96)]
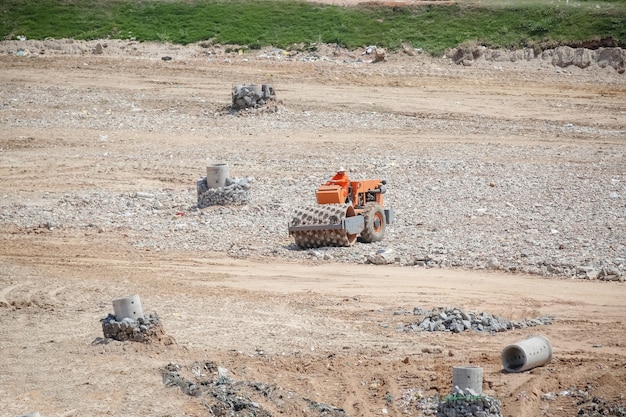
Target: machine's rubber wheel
[(375, 225)]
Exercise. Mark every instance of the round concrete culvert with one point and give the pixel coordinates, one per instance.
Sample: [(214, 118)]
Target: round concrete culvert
[(527, 354), (465, 377), (216, 175), (129, 307)]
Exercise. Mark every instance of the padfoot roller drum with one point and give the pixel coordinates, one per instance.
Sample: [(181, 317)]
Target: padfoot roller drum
[(325, 225)]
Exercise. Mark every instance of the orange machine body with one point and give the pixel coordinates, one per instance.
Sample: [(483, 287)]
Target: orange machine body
[(360, 193)]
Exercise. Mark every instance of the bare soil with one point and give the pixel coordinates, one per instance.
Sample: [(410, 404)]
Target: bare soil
[(318, 333)]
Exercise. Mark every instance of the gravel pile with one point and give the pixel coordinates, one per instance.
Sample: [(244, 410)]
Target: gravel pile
[(252, 96), (145, 329), (413, 399), (464, 405), (589, 405), (456, 320), (224, 396), (236, 191), (599, 407)]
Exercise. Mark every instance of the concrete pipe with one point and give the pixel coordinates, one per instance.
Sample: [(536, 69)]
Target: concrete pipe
[(255, 89), (527, 354), (216, 175), (35, 414), (465, 377), (129, 307)]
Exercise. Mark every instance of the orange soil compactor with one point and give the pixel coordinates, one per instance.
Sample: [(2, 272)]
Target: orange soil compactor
[(340, 218)]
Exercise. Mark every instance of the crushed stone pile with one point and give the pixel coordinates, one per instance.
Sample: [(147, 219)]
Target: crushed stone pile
[(236, 191), (599, 407), (463, 404), (589, 405), (413, 399), (252, 96), (456, 320), (147, 329), (228, 397), (561, 56)]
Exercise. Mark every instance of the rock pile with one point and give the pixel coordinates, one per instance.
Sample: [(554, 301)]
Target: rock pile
[(145, 329), (414, 399), (599, 407), (463, 404), (383, 256), (236, 191), (252, 96), (456, 320), (225, 396), (562, 56), (379, 54), (589, 405)]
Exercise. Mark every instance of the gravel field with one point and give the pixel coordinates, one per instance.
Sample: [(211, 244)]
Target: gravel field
[(541, 195), (502, 172), (455, 207)]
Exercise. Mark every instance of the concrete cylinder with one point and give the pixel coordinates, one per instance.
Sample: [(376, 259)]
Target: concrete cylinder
[(216, 175), (527, 354), (35, 414), (255, 89), (468, 377), (129, 307)]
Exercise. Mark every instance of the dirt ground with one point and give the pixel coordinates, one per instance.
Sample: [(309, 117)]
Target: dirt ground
[(317, 333)]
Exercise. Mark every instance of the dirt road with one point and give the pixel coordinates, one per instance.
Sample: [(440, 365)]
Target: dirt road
[(299, 335)]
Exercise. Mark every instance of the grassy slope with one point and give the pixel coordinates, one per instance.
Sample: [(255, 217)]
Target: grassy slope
[(257, 23)]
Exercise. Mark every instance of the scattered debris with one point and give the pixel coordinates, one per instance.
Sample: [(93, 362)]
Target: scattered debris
[(589, 405), (414, 399), (379, 54), (384, 256), (456, 320), (228, 397)]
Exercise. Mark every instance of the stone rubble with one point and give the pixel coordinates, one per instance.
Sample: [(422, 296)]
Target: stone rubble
[(236, 191), (589, 405), (252, 96), (457, 320), (379, 54), (225, 396), (602, 56), (464, 403), (561, 56), (414, 399), (147, 329)]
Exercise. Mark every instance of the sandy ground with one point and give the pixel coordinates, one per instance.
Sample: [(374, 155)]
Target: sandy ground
[(322, 331)]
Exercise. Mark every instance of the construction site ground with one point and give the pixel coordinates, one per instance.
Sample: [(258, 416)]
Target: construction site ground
[(323, 335)]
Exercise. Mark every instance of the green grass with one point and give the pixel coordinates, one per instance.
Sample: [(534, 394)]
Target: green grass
[(462, 397), (281, 23)]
